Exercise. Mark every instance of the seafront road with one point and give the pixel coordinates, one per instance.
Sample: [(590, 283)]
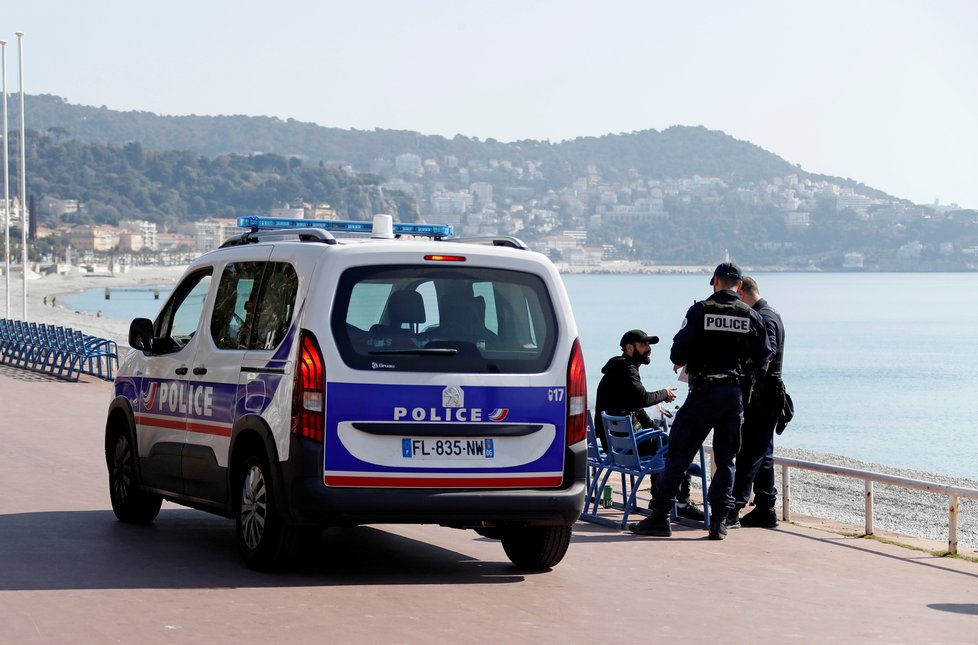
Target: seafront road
[(70, 573)]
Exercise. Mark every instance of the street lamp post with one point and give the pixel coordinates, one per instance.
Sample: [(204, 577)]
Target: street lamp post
[(25, 216), (6, 178)]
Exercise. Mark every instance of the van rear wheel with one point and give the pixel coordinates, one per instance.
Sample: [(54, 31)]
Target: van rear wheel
[(536, 547), (265, 539)]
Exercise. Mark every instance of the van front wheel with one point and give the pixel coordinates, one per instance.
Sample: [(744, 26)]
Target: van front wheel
[(536, 547), (265, 540)]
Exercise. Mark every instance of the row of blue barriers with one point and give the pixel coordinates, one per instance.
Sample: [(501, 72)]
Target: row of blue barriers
[(62, 352)]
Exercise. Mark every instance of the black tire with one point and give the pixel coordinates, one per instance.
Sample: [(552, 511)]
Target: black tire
[(129, 503), (265, 540), (536, 547)]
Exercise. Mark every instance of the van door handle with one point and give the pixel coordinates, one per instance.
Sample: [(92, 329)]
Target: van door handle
[(200, 371), (180, 371)]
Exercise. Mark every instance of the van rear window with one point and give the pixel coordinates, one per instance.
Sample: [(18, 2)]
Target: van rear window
[(444, 319)]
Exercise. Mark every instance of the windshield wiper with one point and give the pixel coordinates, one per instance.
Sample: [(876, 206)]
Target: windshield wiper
[(440, 351)]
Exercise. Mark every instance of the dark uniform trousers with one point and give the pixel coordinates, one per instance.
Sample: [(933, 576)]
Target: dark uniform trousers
[(719, 408), (755, 463)]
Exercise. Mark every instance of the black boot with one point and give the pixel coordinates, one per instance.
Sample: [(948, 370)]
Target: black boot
[(733, 519), (718, 526), (657, 525), (765, 518), (690, 511)]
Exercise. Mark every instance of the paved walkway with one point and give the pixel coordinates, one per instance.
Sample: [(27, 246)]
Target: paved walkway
[(70, 573)]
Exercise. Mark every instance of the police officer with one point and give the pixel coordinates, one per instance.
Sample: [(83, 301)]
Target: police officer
[(755, 461), (717, 338)]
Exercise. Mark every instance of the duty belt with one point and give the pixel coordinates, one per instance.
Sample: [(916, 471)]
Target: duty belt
[(706, 382)]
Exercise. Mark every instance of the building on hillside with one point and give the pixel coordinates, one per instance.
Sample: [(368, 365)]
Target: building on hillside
[(481, 193), (176, 242), (57, 207), (408, 164), (94, 238), (450, 203), (130, 241), (287, 212), (147, 230), (210, 233)]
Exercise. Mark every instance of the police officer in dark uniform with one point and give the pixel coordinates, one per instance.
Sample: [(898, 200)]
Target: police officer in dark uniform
[(755, 462), (717, 338)]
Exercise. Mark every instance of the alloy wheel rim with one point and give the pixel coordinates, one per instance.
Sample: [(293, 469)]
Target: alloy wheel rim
[(254, 507), (122, 470)]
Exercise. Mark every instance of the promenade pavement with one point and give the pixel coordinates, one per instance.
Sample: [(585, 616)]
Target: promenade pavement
[(69, 572)]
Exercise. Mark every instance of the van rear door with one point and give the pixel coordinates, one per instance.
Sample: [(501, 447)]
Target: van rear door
[(453, 381)]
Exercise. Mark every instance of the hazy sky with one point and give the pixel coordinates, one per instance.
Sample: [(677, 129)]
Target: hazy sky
[(885, 92)]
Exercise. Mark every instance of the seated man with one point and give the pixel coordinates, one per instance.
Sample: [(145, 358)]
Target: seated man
[(621, 393)]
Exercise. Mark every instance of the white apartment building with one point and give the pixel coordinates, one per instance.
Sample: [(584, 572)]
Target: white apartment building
[(210, 233)]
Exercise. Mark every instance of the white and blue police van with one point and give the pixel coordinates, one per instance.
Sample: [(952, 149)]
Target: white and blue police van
[(300, 377)]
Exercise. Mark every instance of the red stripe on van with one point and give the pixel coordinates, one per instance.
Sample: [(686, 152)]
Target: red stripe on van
[(181, 424), (442, 482)]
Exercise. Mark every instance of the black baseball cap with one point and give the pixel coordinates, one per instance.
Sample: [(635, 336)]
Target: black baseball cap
[(638, 336), (727, 270)]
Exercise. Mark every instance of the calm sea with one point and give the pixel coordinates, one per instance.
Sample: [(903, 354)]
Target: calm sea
[(882, 367)]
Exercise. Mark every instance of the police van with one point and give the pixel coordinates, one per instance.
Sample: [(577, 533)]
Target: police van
[(314, 374)]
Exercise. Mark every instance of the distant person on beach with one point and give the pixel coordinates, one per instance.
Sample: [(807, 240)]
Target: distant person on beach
[(713, 346), (45, 301), (755, 461), (53, 300), (621, 393)]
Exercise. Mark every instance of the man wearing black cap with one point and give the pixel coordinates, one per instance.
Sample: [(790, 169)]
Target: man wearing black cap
[(714, 343), (621, 393)]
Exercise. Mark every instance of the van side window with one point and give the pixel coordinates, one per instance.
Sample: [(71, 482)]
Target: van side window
[(276, 306), (254, 306), (180, 317), (234, 308)]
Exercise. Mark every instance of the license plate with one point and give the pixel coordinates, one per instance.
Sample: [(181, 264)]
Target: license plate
[(431, 448)]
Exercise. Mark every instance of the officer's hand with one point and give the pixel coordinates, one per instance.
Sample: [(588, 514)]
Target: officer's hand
[(676, 368), (670, 394)]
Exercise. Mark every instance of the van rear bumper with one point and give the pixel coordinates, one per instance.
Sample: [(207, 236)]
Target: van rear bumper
[(310, 502)]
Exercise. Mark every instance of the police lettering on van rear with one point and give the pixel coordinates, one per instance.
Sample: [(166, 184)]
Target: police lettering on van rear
[(299, 378)]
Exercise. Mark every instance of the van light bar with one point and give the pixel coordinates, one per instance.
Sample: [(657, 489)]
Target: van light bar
[(445, 258), (256, 223)]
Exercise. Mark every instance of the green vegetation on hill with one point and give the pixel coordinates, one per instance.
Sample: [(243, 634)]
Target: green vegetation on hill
[(167, 187)]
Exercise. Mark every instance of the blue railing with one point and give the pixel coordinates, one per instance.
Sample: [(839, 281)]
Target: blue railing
[(62, 352)]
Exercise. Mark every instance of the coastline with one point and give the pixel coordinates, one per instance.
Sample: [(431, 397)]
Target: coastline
[(55, 286)]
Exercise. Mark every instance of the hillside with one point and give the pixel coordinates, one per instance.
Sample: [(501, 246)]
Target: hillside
[(674, 152)]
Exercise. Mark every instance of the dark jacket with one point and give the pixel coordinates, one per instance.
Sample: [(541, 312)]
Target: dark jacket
[(690, 347), (768, 394), (621, 393)]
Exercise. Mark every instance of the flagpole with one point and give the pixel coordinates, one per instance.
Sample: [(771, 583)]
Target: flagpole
[(6, 179), (22, 171)]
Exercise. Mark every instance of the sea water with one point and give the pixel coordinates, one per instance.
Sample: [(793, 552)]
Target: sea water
[(882, 367)]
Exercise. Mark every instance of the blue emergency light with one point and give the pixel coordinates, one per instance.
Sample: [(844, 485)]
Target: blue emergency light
[(256, 223)]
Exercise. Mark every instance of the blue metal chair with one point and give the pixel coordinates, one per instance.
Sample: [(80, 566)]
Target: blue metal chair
[(623, 458), (623, 461), (596, 460)]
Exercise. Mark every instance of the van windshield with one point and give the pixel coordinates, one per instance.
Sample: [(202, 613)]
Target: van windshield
[(444, 319)]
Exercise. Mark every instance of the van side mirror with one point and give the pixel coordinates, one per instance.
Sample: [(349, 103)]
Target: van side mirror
[(141, 334)]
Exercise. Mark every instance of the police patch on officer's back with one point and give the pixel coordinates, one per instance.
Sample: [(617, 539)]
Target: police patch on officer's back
[(717, 322)]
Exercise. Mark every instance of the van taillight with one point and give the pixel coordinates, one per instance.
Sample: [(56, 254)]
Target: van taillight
[(576, 396), (308, 391)]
